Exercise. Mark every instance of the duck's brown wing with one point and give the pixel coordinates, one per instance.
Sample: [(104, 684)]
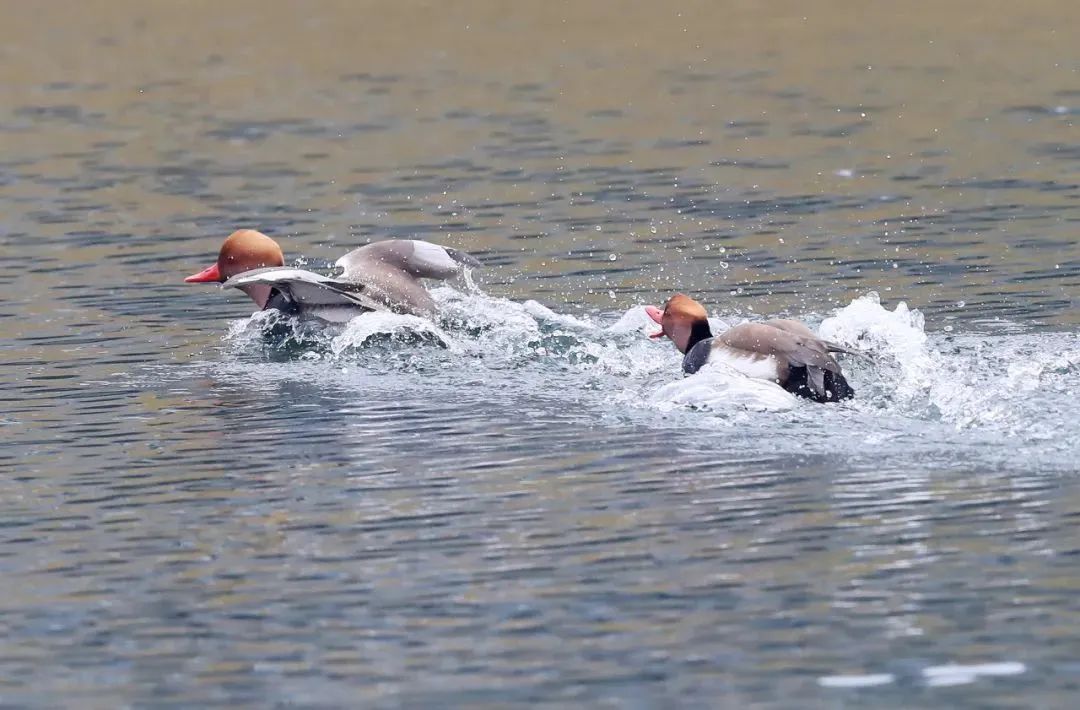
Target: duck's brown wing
[(790, 349), (791, 326), (798, 328), (391, 270)]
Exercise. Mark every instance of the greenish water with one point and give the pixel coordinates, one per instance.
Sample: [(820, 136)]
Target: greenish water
[(522, 502)]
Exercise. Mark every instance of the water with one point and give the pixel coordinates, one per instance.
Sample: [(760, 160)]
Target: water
[(522, 502)]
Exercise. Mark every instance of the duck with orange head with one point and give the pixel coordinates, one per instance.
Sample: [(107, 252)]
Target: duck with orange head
[(783, 351), (382, 275)]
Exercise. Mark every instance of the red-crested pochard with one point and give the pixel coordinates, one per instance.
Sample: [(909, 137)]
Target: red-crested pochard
[(380, 276), (783, 351)]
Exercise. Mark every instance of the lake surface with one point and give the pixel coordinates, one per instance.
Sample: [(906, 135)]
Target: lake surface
[(522, 502)]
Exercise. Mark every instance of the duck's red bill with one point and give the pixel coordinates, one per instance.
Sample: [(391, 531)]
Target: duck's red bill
[(208, 275), (657, 315)]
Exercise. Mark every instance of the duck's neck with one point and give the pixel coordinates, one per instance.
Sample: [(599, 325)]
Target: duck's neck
[(699, 331), (260, 293)]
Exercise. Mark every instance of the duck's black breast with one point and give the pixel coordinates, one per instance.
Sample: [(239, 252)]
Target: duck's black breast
[(696, 357), (280, 301)]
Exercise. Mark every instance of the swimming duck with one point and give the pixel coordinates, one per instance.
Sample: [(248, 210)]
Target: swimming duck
[(379, 276), (783, 351)]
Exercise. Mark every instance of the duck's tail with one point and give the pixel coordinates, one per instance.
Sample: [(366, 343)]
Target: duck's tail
[(837, 348)]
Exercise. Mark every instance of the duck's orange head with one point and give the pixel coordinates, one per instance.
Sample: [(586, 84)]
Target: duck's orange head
[(680, 317), (244, 250)]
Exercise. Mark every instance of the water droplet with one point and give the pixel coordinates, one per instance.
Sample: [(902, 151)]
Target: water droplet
[(612, 257), (960, 304), (652, 229), (599, 228), (724, 265)]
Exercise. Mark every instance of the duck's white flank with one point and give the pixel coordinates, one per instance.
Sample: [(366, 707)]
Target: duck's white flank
[(761, 368)]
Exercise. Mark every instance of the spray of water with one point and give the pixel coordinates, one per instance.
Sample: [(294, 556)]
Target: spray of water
[(944, 390)]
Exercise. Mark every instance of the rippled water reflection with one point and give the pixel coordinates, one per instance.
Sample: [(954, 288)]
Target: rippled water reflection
[(523, 502)]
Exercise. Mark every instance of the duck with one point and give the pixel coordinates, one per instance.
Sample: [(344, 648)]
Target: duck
[(383, 275), (783, 351)]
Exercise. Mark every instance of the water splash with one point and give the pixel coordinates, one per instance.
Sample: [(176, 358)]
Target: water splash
[(395, 329), (972, 380), (916, 385)]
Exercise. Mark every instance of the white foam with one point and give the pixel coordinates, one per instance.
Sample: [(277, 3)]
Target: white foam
[(635, 320), (869, 680), (359, 330), (994, 397), (949, 670), (945, 680), (717, 387), (968, 380), (542, 313)]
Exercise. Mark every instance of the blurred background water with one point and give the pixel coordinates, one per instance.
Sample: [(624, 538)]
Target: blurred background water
[(522, 502)]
